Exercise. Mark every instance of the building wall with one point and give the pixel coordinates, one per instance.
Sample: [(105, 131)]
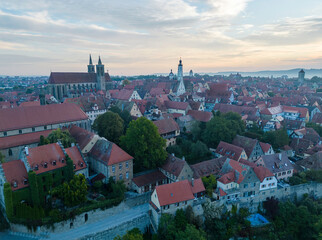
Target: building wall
[(15, 151), (186, 173), (268, 183), (284, 175), (120, 173)]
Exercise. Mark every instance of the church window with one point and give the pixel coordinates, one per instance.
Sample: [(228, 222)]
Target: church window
[(33, 129), (5, 133), (10, 152), (20, 131)]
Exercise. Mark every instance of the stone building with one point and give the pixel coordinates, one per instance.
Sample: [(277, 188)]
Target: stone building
[(168, 129), (66, 84)]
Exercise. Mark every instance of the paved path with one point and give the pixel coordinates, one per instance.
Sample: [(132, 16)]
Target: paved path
[(103, 224)]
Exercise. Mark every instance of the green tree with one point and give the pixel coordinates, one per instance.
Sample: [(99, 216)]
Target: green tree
[(43, 141), (144, 143), (210, 183), (110, 126), (8, 199), (199, 152), (69, 168), (63, 136), (191, 233), (2, 158), (180, 220), (72, 193), (125, 115), (134, 234), (316, 127), (277, 138)]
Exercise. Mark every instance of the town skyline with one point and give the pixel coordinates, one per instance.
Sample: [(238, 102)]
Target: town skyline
[(146, 37)]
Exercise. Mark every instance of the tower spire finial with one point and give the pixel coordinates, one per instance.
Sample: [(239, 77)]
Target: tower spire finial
[(90, 60), (99, 60)]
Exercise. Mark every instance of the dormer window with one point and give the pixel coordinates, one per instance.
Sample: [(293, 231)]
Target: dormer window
[(81, 164), (74, 166), (45, 165), (54, 163), (63, 160), (25, 181), (15, 184), (36, 167)]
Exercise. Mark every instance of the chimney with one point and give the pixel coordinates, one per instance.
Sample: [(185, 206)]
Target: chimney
[(280, 156), (192, 181), (27, 151)]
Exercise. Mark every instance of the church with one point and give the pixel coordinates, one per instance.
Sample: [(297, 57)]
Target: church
[(178, 87), (72, 84)]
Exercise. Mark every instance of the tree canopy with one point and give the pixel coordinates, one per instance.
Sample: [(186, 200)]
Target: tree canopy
[(125, 115), (144, 143), (110, 126), (63, 136)]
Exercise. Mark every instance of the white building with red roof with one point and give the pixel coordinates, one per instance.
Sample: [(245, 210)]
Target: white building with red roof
[(169, 198)]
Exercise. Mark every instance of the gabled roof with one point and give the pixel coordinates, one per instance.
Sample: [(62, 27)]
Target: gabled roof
[(74, 77), (82, 136), (174, 165), (176, 105), (15, 172), (248, 144), (26, 117), (265, 146), (229, 150), (76, 156), (109, 153), (206, 168), (22, 139), (227, 177), (175, 192), (313, 162), (200, 115), (149, 178), (166, 125), (124, 105), (45, 156), (277, 162)]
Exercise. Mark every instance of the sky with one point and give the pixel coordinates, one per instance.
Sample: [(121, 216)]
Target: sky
[(136, 37)]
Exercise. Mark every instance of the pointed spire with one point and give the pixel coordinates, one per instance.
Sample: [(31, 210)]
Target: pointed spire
[(90, 60), (99, 60)]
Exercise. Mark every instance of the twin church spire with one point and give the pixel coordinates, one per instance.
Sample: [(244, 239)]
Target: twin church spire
[(100, 73)]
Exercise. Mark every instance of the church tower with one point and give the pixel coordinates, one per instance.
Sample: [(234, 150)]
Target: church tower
[(171, 75), (301, 76), (100, 74), (180, 71), (90, 66), (181, 88)]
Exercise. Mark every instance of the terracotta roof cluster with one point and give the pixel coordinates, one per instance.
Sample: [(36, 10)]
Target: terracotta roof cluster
[(206, 168), (123, 94), (30, 104), (74, 77), (308, 134), (16, 174), (26, 117), (229, 150), (200, 116), (301, 145), (166, 125), (149, 178), (178, 191), (241, 110), (109, 153), (88, 103)]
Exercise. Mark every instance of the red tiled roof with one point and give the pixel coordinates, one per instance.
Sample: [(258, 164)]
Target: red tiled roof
[(200, 115), (166, 125), (174, 192), (197, 186), (82, 136), (74, 77), (262, 172), (77, 158), (206, 168), (22, 139), (15, 171), (26, 117), (109, 152), (303, 111), (265, 146), (148, 178), (222, 192), (46, 154), (176, 105), (174, 165), (30, 104), (123, 94), (229, 150), (227, 177), (240, 168)]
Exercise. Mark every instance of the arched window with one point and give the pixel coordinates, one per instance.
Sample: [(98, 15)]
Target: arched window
[(10, 152)]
